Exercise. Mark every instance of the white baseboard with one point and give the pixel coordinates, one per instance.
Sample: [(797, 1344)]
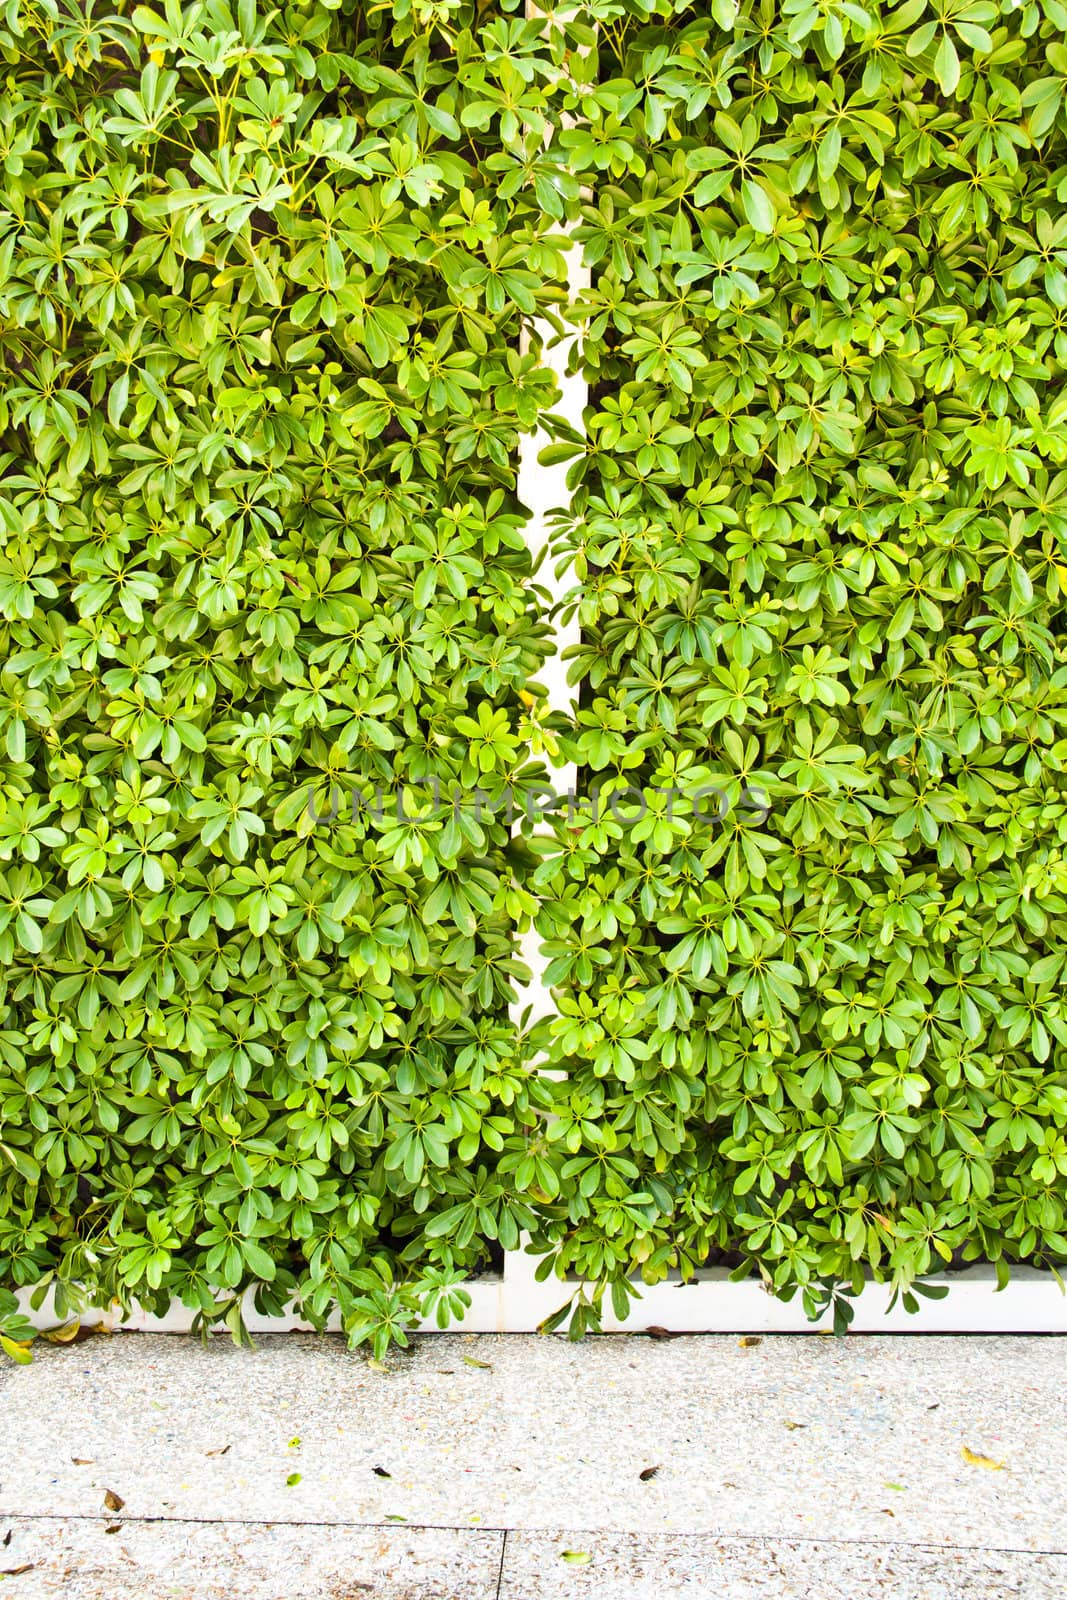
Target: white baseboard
[(1032, 1302)]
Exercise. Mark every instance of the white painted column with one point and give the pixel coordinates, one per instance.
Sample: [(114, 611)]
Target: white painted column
[(543, 490)]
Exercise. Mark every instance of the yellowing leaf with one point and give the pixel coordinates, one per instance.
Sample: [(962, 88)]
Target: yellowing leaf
[(19, 1353), (64, 1335), (975, 1460)]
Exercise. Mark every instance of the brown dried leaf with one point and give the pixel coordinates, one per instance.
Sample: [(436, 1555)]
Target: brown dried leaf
[(113, 1501), (648, 1474)]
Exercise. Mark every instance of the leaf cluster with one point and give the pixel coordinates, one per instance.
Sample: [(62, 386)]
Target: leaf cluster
[(818, 538)]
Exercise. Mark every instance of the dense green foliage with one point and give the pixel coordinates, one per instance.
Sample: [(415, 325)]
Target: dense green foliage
[(262, 280), (819, 541)]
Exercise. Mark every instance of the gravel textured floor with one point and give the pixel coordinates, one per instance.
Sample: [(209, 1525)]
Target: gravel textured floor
[(804, 1463), (121, 1560), (659, 1567), (83, 1560)]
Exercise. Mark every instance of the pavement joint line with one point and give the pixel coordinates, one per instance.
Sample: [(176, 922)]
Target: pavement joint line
[(503, 1559), (476, 1528)]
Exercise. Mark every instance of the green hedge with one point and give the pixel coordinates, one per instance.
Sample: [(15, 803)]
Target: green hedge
[(263, 275), (263, 279), (819, 539)]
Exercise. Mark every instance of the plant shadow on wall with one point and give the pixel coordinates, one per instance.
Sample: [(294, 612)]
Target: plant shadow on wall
[(262, 282), (817, 537)]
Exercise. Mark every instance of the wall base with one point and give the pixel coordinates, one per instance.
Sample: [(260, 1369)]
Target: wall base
[(1033, 1302)]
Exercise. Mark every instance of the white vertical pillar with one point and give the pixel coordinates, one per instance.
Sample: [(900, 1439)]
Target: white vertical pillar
[(543, 490)]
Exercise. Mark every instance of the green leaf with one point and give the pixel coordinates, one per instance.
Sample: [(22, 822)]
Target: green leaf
[(947, 65), (759, 208)]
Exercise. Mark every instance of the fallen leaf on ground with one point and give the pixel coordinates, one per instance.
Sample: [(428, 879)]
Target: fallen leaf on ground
[(392, 1517), (749, 1340), (19, 1353), (379, 1366), (113, 1527), (789, 1423), (294, 1443), (472, 1361), (64, 1335), (220, 1452), (975, 1460), (649, 1472), (15, 1572), (84, 1461), (577, 1558), (113, 1501), (292, 1480), (656, 1332), (898, 1486), (380, 1472)]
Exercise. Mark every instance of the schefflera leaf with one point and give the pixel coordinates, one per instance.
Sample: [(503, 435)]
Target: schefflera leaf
[(264, 280), (808, 948)]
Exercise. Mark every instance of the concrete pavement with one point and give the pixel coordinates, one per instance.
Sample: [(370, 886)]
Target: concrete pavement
[(523, 1468)]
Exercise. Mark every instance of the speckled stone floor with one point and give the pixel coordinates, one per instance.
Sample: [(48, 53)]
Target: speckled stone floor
[(517, 1468)]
